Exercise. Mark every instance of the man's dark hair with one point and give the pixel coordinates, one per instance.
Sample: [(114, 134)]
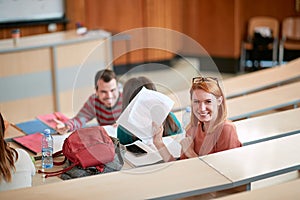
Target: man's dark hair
[(106, 75)]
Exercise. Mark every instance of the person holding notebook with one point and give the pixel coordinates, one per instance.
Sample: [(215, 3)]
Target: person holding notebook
[(131, 88), (105, 104), (209, 130), (16, 166)]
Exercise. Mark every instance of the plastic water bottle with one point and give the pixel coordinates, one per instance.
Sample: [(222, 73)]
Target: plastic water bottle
[(47, 149), (186, 117)]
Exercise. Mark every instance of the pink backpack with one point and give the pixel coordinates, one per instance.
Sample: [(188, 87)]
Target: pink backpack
[(86, 147)]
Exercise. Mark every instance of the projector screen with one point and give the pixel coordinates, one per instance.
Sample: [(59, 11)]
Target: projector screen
[(30, 10)]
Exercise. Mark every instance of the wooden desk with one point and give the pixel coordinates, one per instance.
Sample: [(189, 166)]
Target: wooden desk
[(166, 181), (12, 131), (258, 161), (267, 127), (289, 190), (262, 79), (266, 100), (48, 69)]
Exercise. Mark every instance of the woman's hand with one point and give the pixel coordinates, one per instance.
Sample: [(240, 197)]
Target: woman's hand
[(157, 135), (159, 144)]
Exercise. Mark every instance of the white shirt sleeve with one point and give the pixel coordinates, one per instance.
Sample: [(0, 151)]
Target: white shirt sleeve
[(22, 177)]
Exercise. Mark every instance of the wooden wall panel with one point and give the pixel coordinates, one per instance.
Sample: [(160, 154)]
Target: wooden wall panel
[(217, 25), (75, 12), (210, 23), (163, 14), (155, 15), (117, 16), (278, 9)]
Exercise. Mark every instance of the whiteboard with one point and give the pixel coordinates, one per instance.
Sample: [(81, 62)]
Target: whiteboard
[(30, 10)]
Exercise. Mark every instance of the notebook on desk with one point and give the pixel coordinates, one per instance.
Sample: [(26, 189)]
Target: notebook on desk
[(33, 126), (52, 119), (33, 142)]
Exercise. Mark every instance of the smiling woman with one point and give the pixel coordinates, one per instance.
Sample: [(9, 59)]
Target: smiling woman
[(209, 130)]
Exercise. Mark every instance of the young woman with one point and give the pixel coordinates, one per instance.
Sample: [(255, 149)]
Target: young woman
[(16, 166), (131, 88), (209, 130)]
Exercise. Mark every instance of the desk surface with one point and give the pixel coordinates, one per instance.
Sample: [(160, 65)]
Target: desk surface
[(12, 131), (266, 100), (50, 39), (268, 127), (257, 161), (181, 178), (262, 79), (289, 190)]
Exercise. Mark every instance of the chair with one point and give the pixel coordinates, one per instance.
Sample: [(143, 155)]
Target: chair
[(290, 39), (247, 46)]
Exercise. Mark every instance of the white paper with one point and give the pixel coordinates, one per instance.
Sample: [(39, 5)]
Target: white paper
[(111, 130), (58, 141), (153, 156), (150, 158), (148, 106)]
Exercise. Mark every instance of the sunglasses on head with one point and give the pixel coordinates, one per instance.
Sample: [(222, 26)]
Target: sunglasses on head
[(201, 79)]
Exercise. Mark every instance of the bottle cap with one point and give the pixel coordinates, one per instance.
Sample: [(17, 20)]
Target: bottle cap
[(47, 131), (188, 109)]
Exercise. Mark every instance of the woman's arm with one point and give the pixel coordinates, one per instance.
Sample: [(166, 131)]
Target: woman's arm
[(159, 144), (187, 145)]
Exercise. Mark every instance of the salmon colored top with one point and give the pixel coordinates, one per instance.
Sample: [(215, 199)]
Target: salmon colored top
[(218, 141)]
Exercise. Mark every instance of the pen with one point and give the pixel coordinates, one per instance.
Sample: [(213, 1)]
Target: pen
[(16, 127)]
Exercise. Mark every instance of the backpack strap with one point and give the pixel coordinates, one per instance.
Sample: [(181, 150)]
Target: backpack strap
[(57, 154), (56, 173)]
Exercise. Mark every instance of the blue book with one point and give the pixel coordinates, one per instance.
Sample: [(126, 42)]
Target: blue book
[(34, 126)]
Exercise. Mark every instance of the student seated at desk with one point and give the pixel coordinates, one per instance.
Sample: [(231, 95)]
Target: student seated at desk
[(131, 88), (105, 104), (16, 166), (209, 130)]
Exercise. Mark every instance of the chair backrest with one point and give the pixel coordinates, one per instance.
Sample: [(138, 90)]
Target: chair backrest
[(263, 21), (291, 28)]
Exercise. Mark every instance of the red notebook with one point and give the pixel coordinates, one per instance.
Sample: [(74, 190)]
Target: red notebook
[(51, 119), (32, 142)]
